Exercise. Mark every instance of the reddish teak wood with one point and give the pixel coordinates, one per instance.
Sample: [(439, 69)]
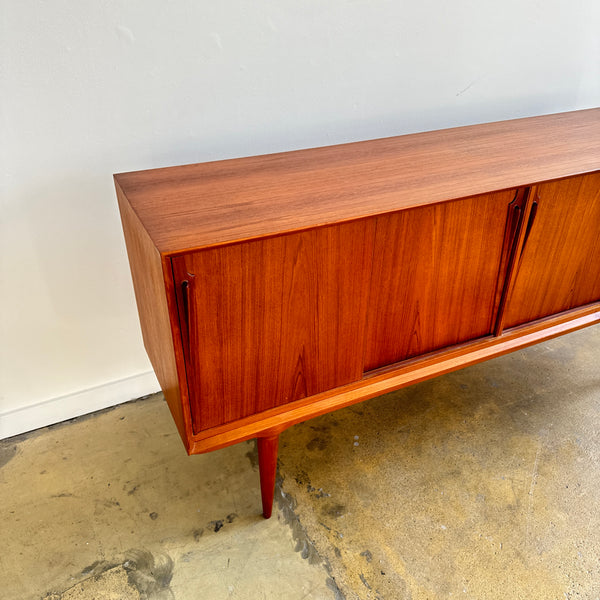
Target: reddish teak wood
[(206, 204), (267, 464), (274, 289), (434, 277), (158, 316), (559, 268), (394, 377), (272, 321)]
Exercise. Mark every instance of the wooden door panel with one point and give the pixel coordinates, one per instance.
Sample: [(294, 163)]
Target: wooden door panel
[(436, 276), (273, 320), (559, 268)]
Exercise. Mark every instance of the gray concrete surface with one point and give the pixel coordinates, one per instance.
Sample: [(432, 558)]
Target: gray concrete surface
[(111, 507), (482, 484)]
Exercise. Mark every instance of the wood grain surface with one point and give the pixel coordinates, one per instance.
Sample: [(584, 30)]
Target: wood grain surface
[(268, 285), (395, 377), (436, 271), (214, 203), (158, 316), (271, 321), (560, 264)]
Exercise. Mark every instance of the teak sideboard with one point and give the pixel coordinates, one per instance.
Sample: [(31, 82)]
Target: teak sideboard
[(276, 288)]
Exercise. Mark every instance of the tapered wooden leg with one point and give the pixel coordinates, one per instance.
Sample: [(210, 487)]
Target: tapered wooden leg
[(267, 465)]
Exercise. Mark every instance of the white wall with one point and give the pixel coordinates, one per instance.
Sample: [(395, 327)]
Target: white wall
[(89, 88)]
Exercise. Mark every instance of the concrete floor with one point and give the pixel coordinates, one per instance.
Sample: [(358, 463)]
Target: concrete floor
[(482, 484)]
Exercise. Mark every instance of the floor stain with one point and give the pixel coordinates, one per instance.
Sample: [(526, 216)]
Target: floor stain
[(304, 544), (333, 586), (150, 573), (363, 579), (216, 526), (7, 453), (148, 576), (252, 455), (133, 490), (334, 510), (368, 556), (317, 443)]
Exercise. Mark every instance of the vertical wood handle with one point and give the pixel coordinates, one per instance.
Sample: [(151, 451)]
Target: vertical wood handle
[(514, 227), (514, 223), (511, 236), (532, 214), (517, 254), (186, 316), (185, 295)]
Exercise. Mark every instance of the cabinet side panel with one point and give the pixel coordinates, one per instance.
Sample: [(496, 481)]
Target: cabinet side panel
[(274, 320), (149, 286), (435, 274), (560, 265)]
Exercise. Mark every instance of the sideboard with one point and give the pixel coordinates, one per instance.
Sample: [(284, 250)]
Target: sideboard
[(273, 289)]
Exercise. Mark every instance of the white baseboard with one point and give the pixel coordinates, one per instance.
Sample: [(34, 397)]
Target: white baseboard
[(59, 409)]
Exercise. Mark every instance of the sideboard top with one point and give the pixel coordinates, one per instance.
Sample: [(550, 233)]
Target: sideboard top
[(213, 203)]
